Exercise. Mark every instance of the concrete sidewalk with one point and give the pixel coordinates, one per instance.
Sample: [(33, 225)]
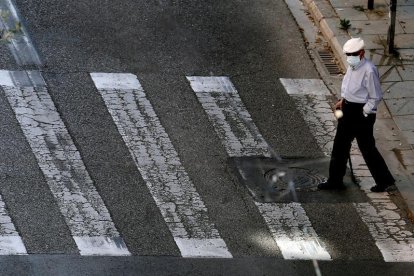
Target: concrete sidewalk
[(395, 119)]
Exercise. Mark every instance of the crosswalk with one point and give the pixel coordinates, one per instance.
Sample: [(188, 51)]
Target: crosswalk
[(175, 195)]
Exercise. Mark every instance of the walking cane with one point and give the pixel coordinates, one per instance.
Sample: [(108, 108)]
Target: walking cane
[(353, 178)]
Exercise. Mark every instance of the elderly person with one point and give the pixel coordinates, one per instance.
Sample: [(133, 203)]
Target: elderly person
[(360, 95)]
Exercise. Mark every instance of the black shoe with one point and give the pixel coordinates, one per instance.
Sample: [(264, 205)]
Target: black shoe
[(380, 188), (328, 186)]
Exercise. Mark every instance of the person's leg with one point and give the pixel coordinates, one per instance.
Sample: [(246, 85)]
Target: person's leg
[(340, 152), (372, 157)]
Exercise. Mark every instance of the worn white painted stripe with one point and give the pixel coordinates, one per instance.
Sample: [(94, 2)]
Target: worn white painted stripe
[(20, 45), (288, 223), (212, 84), (393, 237), (311, 96), (387, 229), (158, 162), (10, 241), (12, 245), (115, 81), (81, 206), (5, 78), (101, 245), (196, 247), (293, 231), (305, 87), (231, 121)]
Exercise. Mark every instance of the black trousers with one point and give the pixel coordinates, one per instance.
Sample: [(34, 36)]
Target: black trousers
[(355, 125)]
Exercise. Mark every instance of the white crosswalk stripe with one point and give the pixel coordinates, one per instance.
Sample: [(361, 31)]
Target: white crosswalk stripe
[(180, 204), (81, 206), (311, 96), (389, 230), (231, 120), (10, 241), (288, 223), (293, 231)]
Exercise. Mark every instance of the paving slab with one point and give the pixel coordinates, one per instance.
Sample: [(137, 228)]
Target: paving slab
[(407, 55), (365, 27), (409, 134), (399, 90), (341, 40), (373, 42), (325, 8), (334, 25), (388, 73), (353, 3), (383, 112), (405, 13), (408, 26), (379, 13), (380, 58), (387, 130), (405, 122), (404, 41), (408, 158), (351, 14), (400, 107), (405, 3), (407, 72)]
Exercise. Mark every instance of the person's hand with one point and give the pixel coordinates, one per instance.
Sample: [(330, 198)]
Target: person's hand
[(338, 105)]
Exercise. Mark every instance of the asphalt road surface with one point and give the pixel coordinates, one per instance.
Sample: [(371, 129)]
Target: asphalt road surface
[(115, 159)]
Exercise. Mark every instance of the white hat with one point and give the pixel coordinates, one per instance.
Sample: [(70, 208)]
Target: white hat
[(353, 45)]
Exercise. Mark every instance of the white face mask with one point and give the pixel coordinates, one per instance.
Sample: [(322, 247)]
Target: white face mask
[(353, 61)]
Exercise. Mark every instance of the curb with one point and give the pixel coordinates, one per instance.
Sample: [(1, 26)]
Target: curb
[(323, 25)]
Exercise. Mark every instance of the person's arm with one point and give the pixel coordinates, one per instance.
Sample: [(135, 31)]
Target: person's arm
[(339, 104), (373, 86)]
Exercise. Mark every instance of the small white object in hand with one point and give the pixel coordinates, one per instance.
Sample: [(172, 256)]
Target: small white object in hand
[(338, 114)]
